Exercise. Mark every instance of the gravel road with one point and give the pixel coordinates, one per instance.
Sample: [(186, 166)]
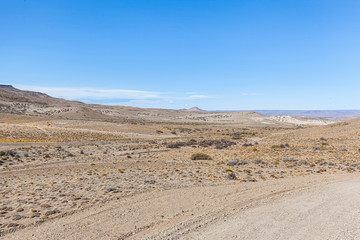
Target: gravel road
[(312, 207)]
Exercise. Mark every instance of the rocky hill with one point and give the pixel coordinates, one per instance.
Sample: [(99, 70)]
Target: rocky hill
[(10, 94)]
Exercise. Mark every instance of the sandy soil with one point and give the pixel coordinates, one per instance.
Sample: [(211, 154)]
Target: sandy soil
[(312, 207)]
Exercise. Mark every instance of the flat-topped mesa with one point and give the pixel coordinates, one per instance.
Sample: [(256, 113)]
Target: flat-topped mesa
[(6, 86)]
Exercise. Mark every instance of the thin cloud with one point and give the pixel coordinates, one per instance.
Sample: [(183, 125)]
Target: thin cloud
[(94, 94), (123, 97)]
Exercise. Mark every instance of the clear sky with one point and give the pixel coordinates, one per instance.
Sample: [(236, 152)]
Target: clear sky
[(217, 55)]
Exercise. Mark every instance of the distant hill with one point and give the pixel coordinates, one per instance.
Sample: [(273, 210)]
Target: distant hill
[(196, 109)]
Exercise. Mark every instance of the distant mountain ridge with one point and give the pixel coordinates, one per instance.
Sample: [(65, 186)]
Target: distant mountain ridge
[(19, 102)]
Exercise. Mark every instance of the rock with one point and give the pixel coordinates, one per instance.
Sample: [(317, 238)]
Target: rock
[(17, 217), (36, 214), (45, 205), (51, 212), (243, 162), (151, 181), (110, 189), (259, 161), (9, 209), (11, 225), (233, 162)]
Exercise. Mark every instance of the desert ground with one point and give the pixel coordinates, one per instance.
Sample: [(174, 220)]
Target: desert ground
[(96, 172)]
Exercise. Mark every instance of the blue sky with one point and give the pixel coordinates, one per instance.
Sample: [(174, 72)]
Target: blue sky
[(217, 55)]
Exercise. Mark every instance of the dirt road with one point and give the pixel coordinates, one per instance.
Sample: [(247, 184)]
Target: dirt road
[(330, 211), (313, 207)]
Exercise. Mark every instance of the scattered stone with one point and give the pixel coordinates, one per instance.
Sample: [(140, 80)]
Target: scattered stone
[(150, 181), (243, 162), (233, 162), (111, 189), (36, 214), (17, 217), (12, 225), (51, 212)]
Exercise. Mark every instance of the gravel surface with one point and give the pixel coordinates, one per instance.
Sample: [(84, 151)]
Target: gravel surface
[(311, 207)]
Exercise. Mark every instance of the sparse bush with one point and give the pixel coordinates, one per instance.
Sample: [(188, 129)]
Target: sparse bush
[(286, 145), (200, 156), (175, 145), (219, 144), (181, 144), (247, 145), (232, 176), (8, 153), (259, 161)]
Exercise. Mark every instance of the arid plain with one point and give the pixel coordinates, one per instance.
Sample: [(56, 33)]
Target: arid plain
[(76, 171)]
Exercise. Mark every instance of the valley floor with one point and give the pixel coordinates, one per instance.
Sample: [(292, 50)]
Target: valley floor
[(86, 179)]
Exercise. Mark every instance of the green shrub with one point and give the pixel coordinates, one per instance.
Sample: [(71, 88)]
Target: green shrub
[(200, 156)]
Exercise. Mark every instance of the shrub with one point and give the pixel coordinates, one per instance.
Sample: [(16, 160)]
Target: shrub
[(176, 145), (247, 145), (200, 156), (232, 176)]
